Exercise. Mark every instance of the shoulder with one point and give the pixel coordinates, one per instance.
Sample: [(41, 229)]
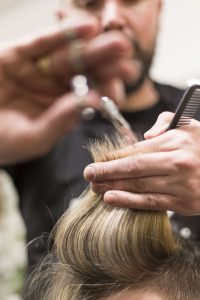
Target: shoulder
[(169, 94)]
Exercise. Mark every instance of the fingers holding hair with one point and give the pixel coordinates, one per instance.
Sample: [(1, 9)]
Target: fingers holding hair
[(140, 201)]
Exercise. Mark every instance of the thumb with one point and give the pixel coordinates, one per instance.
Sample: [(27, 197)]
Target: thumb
[(161, 125)]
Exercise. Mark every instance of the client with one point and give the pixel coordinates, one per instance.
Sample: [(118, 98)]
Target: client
[(105, 253)]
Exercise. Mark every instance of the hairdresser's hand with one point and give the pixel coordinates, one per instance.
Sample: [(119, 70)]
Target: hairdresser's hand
[(36, 103), (164, 176), (42, 66), (105, 59), (35, 109)]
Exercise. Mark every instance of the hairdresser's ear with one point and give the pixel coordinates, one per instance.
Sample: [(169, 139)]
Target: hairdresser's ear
[(60, 14)]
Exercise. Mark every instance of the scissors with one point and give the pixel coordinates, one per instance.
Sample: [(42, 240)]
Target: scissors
[(108, 108), (112, 113)]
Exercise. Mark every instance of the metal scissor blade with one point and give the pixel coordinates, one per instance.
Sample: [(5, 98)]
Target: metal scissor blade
[(115, 117)]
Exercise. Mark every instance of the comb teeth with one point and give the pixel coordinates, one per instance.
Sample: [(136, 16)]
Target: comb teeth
[(187, 108), (190, 109), (184, 120)]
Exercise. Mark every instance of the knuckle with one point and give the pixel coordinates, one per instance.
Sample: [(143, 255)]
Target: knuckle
[(139, 185), (152, 202), (185, 162), (132, 166), (128, 202), (123, 185), (101, 172), (189, 184), (185, 138)]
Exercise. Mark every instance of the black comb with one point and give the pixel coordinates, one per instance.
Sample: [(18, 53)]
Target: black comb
[(187, 108)]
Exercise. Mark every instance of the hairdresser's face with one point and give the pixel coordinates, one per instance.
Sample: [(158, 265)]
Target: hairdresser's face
[(138, 19), (142, 295)]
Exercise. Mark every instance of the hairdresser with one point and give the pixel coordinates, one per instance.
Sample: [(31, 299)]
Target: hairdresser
[(167, 178), (37, 105)]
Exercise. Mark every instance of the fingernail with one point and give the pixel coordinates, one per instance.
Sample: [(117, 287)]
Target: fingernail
[(110, 198), (89, 173)]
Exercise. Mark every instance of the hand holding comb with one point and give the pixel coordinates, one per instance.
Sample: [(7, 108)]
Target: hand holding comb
[(187, 108)]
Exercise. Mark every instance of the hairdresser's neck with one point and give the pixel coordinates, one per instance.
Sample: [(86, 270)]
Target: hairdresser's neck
[(145, 97)]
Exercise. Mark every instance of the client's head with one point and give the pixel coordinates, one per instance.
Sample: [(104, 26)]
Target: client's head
[(106, 253)]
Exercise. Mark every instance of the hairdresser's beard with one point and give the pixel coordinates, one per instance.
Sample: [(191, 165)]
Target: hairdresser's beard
[(144, 60)]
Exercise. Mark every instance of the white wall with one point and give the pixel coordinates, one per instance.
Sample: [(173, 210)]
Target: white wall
[(178, 55), (178, 51)]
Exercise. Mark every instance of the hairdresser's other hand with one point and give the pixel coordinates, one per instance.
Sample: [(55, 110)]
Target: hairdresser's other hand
[(41, 66), (34, 107), (164, 176), (35, 110)]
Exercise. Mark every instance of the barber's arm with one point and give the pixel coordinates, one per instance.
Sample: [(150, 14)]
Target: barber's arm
[(163, 175), (37, 105)]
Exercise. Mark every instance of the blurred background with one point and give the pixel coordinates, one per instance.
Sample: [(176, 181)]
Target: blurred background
[(177, 61), (178, 49)]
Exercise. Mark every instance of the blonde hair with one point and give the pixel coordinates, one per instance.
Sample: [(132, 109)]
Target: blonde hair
[(100, 250)]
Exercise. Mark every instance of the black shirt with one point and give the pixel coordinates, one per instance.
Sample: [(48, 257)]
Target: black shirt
[(47, 185)]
